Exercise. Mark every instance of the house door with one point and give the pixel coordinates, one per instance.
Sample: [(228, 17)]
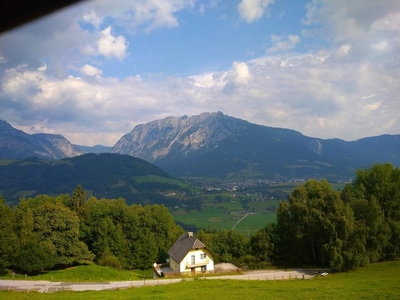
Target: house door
[(193, 270)]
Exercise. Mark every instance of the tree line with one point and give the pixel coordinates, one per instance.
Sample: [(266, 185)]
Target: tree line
[(45, 232), (316, 226), (319, 226)]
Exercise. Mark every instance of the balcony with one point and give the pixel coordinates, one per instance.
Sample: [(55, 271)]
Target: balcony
[(197, 263)]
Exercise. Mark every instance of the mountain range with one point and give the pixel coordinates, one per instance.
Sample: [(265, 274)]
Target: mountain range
[(93, 149), (217, 145), (221, 146), (16, 144)]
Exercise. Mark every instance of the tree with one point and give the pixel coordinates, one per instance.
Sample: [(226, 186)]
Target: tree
[(24, 216), (314, 226), (162, 228), (226, 245), (108, 229), (8, 239), (34, 257), (263, 243), (375, 198), (57, 228), (78, 197)]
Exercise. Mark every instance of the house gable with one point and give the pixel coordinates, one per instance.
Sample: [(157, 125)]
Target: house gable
[(183, 245), (191, 255)]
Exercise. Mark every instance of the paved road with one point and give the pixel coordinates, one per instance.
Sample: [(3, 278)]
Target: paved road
[(49, 287)]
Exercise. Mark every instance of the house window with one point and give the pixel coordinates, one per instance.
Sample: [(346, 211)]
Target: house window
[(203, 268), (193, 260), (203, 256)]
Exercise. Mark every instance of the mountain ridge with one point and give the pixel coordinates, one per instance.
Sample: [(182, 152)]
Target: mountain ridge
[(214, 144), (16, 144), (217, 145)]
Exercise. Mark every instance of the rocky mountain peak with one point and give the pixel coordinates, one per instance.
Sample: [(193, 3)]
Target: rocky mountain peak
[(156, 139), (57, 146)]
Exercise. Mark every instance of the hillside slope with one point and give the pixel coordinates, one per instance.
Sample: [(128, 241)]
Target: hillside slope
[(103, 175)]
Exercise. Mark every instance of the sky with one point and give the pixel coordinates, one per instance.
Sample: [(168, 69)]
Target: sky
[(93, 71)]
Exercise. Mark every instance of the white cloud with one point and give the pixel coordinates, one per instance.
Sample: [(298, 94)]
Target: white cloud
[(252, 10), (89, 70), (348, 90), (281, 44), (112, 46), (360, 20), (209, 80), (145, 15), (241, 73), (322, 98), (43, 68), (390, 22), (93, 19), (381, 45), (343, 50)]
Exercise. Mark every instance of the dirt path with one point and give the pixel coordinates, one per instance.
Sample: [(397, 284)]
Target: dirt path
[(240, 220)]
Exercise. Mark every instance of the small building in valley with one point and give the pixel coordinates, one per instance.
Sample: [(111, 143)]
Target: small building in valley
[(187, 256)]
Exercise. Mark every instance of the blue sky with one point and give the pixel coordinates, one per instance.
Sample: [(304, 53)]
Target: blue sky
[(93, 71)]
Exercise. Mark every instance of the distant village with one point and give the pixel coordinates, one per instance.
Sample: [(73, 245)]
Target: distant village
[(228, 185)]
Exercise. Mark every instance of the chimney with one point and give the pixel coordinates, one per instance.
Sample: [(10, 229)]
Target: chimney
[(190, 234)]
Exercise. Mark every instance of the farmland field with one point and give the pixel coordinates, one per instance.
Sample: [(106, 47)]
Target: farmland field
[(225, 216), (223, 209), (254, 222)]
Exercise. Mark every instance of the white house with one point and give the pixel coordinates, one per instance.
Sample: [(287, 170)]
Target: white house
[(189, 255)]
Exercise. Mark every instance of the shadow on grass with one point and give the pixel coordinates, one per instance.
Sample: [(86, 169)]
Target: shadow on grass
[(21, 274), (64, 266)]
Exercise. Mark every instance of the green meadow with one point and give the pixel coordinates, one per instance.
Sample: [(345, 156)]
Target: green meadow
[(208, 218), (86, 272), (155, 178), (378, 281), (226, 214), (255, 221)]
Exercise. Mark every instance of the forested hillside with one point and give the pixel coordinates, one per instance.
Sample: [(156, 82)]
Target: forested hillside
[(317, 226), (42, 232), (103, 175)]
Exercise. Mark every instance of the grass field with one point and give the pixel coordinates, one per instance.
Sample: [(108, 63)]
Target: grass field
[(155, 178), (254, 222), (267, 205), (225, 215), (378, 281), (213, 218), (85, 273)]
